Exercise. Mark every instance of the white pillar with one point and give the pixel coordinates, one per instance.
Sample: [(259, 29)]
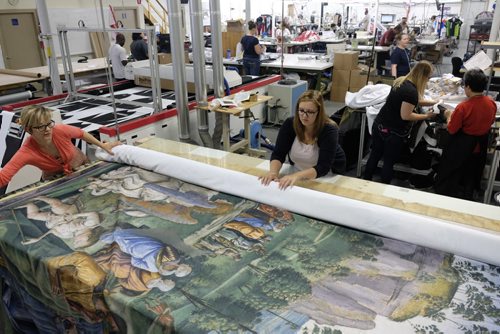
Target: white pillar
[(375, 19), (495, 26), (48, 45)]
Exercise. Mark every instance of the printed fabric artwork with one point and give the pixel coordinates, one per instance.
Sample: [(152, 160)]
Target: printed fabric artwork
[(118, 249)]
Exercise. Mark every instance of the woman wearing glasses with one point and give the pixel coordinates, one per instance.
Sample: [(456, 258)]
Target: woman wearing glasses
[(310, 139), (393, 123), (49, 147)]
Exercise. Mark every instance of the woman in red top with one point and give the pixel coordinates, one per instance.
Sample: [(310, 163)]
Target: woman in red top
[(49, 147), (464, 156)]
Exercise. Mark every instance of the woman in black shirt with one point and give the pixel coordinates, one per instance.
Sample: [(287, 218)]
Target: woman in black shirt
[(251, 50), (393, 123), (400, 57)]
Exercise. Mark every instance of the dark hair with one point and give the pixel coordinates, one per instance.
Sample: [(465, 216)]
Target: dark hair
[(136, 36), (120, 38), (398, 28), (476, 80), (251, 25)]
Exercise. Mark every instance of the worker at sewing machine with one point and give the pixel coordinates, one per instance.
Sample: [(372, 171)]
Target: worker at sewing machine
[(49, 147), (310, 140), (464, 156)]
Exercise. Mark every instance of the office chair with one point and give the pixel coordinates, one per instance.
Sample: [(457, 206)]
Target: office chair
[(457, 64)]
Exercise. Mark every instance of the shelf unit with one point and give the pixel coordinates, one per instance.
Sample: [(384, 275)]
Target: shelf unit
[(478, 33)]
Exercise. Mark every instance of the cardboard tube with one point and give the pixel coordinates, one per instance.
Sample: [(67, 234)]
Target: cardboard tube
[(21, 73)]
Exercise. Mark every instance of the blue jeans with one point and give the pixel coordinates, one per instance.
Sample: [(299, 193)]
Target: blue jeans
[(251, 66)]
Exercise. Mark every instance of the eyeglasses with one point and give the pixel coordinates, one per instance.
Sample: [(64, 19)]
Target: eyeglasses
[(44, 127), (306, 112)]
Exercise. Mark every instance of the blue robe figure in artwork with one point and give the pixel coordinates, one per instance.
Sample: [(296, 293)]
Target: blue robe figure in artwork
[(148, 253)]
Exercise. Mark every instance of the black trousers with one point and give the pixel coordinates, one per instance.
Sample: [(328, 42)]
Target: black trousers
[(460, 169), (386, 144)]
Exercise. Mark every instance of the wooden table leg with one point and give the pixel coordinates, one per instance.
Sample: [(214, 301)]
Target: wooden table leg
[(226, 140)]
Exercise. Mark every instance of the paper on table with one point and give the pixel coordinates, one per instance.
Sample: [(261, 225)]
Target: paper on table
[(480, 60)]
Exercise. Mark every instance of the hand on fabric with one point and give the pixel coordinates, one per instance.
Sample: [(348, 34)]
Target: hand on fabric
[(435, 107), (288, 181), (108, 146), (268, 178), (430, 114)]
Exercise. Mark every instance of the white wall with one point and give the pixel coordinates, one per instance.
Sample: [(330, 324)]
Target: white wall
[(68, 12)]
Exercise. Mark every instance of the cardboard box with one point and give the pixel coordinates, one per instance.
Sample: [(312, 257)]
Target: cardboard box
[(166, 58), (341, 78), (358, 78), (337, 93), (345, 60), (235, 25), (164, 83), (354, 89)]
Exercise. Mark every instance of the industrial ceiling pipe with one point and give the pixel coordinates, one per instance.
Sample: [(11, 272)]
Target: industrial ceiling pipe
[(179, 68), (198, 44), (218, 69)]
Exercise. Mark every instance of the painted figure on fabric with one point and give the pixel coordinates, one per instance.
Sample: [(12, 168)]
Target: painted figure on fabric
[(247, 230), (79, 279), (149, 193), (65, 222), (141, 261)]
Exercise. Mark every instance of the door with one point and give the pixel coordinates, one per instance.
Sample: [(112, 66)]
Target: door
[(128, 17), (19, 40)]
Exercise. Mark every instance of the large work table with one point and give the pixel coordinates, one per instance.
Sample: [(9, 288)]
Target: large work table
[(296, 62), (42, 74)]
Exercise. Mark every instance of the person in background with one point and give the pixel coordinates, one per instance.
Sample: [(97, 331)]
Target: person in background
[(464, 155), (393, 123), (404, 25), (389, 36), (431, 25), (118, 57), (310, 140), (400, 56), (251, 50), (387, 39), (363, 25), (139, 48), (285, 34), (49, 147), (282, 36)]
